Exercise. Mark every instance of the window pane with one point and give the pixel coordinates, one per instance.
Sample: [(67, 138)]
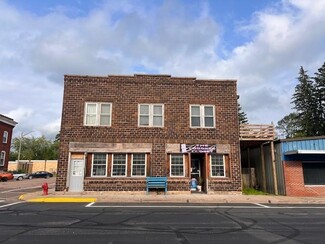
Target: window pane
[(144, 120), (208, 122), (195, 121), (99, 170), (91, 108), (208, 111), (157, 110), (195, 110), (90, 119), (144, 109), (105, 120), (157, 121), (99, 158), (105, 108)]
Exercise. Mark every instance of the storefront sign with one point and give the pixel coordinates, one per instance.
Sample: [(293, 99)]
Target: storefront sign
[(198, 148)]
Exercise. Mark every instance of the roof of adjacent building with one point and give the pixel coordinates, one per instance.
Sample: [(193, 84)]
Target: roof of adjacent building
[(7, 120)]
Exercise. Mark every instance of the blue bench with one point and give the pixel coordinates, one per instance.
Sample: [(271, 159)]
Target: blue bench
[(157, 182)]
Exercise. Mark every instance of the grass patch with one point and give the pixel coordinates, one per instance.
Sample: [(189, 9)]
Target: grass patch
[(252, 191)]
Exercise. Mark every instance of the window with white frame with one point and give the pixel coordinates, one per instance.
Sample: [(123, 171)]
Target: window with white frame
[(217, 165), (151, 115), (99, 164), (98, 114), (139, 164), (2, 158), (177, 165), (5, 137), (119, 165), (202, 116)]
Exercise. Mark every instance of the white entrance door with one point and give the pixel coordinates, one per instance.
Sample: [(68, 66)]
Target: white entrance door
[(77, 175)]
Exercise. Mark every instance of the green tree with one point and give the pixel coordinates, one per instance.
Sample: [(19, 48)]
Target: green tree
[(34, 148), (304, 103), (242, 117), (289, 126), (319, 88)]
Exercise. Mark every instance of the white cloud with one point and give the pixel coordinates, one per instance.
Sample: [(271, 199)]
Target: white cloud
[(127, 37), (20, 114)]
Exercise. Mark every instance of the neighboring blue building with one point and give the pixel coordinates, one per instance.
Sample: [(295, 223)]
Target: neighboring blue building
[(292, 167), (303, 162)]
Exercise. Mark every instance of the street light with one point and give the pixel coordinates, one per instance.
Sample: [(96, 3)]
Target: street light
[(20, 139)]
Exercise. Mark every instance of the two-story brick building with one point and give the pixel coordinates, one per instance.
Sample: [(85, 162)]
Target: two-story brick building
[(6, 127), (117, 130)]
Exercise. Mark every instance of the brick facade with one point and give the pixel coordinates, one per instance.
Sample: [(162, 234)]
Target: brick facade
[(294, 181), (125, 93), (6, 124)]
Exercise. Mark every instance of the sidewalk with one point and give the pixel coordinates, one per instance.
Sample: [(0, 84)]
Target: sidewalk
[(170, 197)]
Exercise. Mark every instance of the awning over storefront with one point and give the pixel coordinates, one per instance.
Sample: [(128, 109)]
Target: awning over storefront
[(295, 152)]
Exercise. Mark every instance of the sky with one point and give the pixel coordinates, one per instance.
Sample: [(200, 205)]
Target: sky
[(261, 43)]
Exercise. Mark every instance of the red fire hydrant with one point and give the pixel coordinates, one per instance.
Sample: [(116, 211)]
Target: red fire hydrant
[(45, 187)]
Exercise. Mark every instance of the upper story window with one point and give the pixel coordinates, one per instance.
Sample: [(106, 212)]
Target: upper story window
[(99, 164), (2, 158), (98, 114), (202, 116), (5, 137), (151, 115)]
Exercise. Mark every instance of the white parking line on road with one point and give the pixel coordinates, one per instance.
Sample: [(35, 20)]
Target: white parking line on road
[(25, 188), (261, 205), (90, 205), (253, 206), (10, 204)]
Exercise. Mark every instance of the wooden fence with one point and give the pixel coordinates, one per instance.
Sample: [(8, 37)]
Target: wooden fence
[(252, 132)]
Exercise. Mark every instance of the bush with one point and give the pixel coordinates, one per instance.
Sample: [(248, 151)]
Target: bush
[(252, 191)]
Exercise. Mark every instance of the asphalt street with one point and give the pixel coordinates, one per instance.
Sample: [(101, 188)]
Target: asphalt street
[(154, 223)]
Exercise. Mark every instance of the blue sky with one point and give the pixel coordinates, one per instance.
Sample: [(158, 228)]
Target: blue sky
[(260, 43)]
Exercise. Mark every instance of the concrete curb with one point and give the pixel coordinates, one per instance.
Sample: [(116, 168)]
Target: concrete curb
[(127, 197)]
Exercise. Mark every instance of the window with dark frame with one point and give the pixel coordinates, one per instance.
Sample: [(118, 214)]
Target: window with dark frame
[(314, 173), (2, 158), (5, 137)]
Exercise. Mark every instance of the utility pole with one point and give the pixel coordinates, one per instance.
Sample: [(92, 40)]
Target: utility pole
[(20, 139)]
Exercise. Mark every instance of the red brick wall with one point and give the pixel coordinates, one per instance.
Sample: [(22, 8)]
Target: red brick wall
[(5, 146), (294, 181), (125, 93)]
